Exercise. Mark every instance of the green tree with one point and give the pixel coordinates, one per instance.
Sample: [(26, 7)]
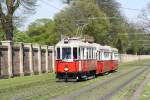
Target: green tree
[(1, 34), (119, 26), (42, 31), (7, 14), (21, 36), (82, 12)]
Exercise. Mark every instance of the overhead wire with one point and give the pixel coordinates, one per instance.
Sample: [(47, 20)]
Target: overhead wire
[(131, 9), (51, 5)]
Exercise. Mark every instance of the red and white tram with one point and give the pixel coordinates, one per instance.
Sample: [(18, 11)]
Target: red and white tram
[(76, 59)]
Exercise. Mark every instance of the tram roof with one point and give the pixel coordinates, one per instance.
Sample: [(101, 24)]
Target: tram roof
[(114, 49), (73, 42)]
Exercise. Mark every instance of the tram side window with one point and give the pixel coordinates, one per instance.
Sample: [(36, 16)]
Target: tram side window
[(99, 55), (90, 53), (106, 55), (82, 54), (79, 53), (116, 55), (58, 53), (74, 53), (87, 55), (66, 53)]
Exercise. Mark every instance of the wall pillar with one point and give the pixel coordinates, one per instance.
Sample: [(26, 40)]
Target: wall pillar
[(10, 65), (46, 59), (39, 59), (53, 57), (21, 60), (31, 59)]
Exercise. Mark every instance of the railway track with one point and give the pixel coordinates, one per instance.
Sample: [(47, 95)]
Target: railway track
[(50, 89), (122, 85), (86, 91)]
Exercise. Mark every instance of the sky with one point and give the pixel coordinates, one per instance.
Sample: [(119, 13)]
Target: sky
[(134, 4), (48, 9)]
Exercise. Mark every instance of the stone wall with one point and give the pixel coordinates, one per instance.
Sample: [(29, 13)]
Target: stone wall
[(19, 59), (130, 58)]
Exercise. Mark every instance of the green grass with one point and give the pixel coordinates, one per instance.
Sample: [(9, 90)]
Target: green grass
[(146, 93), (96, 93), (127, 92), (44, 86), (17, 81)]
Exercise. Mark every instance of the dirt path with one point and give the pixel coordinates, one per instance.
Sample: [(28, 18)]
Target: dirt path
[(138, 92), (94, 86)]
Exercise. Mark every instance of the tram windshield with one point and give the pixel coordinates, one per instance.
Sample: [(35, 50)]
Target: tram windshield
[(66, 53)]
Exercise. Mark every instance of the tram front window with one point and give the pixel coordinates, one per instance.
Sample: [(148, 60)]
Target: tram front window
[(66, 53)]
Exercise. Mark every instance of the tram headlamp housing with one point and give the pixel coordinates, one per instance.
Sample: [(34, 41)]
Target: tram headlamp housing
[(66, 68)]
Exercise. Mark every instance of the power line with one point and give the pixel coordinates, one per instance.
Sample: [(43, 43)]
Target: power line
[(133, 9), (96, 18), (51, 5)]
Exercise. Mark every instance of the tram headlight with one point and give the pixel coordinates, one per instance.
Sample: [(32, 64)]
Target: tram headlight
[(66, 69)]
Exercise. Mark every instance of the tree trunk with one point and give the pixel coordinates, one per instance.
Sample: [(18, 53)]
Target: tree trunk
[(7, 19), (9, 34), (9, 30), (7, 25)]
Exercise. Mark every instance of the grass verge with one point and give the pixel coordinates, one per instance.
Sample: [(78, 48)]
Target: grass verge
[(44, 86), (146, 93)]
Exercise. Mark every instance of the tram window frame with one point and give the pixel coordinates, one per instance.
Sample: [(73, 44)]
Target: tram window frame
[(75, 56), (99, 53), (83, 53), (87, 53), (112, 55), (79, 54), (92, 54), (58, 53), (95, 56)]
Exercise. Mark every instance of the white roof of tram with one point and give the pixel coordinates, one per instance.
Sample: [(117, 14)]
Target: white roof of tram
[(73, 43), (76, 42), (114, 49)]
